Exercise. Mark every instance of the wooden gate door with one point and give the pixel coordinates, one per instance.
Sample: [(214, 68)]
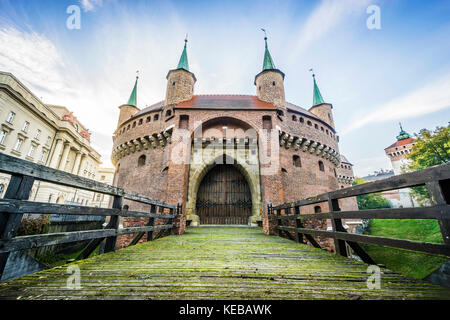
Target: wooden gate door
[(224, 197)]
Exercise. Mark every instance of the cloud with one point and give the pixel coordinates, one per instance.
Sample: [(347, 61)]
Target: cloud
[(34, 58), (430, 98), (366, 166), (328, 15), (89, 5)]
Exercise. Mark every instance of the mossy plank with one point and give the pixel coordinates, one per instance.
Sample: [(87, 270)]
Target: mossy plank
[(219, 263)]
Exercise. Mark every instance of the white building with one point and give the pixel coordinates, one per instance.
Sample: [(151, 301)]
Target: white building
[(48, 135), (397, 152)]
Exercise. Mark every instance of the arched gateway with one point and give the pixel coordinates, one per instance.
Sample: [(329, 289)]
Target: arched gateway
[(224, 197)]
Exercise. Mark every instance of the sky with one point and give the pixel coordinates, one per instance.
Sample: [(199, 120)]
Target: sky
[(375, 78)]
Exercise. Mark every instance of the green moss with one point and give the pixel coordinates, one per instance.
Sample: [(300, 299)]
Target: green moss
[(219, 263)]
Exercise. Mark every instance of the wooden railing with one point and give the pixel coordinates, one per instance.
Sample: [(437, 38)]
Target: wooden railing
[(436, 179), (14, 205)]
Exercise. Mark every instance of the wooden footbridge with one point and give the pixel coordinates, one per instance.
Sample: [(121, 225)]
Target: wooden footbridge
[(214, 262)]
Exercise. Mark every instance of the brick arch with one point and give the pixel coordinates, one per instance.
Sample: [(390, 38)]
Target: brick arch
[(199, 174)]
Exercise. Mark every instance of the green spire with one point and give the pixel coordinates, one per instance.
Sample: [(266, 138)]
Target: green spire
[(268, 62), (183, 64), (403, 134), (317, 97), (133, 98)]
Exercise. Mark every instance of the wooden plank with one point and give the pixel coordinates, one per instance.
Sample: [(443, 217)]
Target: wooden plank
[(312, 241), (19, 187), (434, 212), (21, 207), (433, 248), (411, 179), (437, 197), (42, 240), (114, 222), (36, 241), (13, 165)]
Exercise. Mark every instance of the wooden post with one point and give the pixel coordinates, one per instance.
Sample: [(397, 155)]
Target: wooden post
[(279, 222), (340, 244), (298, 224), (436, 191), (19, 188), (336, 224), (110, 244), (151, 222)]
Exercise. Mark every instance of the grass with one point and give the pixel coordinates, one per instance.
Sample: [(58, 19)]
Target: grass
[(413, 264)]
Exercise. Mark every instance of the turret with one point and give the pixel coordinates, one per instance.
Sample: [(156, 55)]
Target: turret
[(320, 108), (180, 82), (270, 82), (130, 109)]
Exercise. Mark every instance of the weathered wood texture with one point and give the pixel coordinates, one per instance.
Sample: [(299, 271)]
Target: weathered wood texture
[(437, 180), (219, 263), (16, 166), (14, 205)]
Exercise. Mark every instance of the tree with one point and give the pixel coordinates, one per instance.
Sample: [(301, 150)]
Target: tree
[(430, 149), (371, 200)]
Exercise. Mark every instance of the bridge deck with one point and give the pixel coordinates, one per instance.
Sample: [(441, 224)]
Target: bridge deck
[(219, 263)]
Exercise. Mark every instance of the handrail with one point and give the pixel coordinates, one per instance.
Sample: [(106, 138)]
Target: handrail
[(12, 165), (15, 204), (437, 181), (407, 180)]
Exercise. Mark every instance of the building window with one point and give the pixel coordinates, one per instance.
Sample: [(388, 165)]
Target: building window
[(329, 116), (10, 117), (148, 119), (50, 198), (296, 161), (43, 156), (31, 151), (140, 121), (3, 134), (134, 124), (294, 118), (76, 127), (25, 127), (184, 122), (165, 170), (141, 161), (309, 123), (284, 170), (280, 113), (48, 140), (267, 122), (156, 117), (99, 197), (321, 128), (273, 83), (102, 178), (316, 126), (128, 127), (38, 133), (18, 144), (317, 209), (321, 166), (168, 113)]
